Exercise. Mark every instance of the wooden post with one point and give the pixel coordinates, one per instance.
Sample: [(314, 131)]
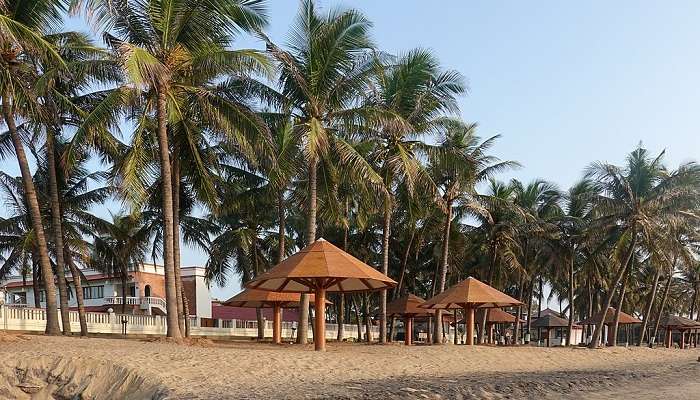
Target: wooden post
[(277, 324), (408, 329), (456, 326), (320, 319), (469, 315), (491, 338), (669, 338), (612, 340), (682, 340)]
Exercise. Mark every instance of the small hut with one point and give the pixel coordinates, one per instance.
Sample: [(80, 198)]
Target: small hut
[(677, 323), (549, 322), (407, 308), (625, 319), (251, 298)]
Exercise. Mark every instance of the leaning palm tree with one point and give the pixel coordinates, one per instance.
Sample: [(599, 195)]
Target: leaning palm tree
[(322, 75), (634, 200), (23, 24), (411, 96), (171, 42)]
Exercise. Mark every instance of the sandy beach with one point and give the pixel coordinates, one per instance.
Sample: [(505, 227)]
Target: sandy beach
[(38, 367)]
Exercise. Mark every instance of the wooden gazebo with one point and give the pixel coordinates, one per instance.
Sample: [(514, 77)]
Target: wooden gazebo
[(495, 316), (549, 322), (469, 295), (252, 298), (319, 268), (625, 319), (406, 307), (678, 323)]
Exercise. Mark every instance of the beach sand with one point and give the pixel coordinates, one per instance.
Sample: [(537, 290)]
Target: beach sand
[(36, 366)]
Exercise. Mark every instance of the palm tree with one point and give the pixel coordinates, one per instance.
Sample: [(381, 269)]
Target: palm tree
[(412, 95), (634, 200), (460, 163), (173, 41), (23, 24), (322, 75), (573, 226), (120, 245)]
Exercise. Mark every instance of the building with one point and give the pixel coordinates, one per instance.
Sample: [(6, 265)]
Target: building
[(145, 291)]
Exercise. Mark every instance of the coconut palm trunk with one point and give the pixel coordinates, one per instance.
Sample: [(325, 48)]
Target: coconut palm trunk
[(368, 319), (56, 225), (179, 288), (303, 331), (529, 307), (281, 238), (386, 233), (570, 328), (52, 327), (608, 297), (35, 279), (341, 296), (618, 308), (664, 298), (77, 284), (649, 305), (442, 278), (168, 230)]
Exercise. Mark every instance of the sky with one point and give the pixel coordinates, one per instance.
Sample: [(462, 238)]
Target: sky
[(563, 83)]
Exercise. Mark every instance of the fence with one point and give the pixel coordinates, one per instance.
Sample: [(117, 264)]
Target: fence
[(34, 320)]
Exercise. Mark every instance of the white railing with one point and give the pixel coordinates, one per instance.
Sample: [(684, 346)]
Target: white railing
[(34, 319), (132, 301), (154, 301)]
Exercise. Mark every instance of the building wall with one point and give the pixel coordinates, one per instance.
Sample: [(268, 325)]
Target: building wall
[(156, 282)]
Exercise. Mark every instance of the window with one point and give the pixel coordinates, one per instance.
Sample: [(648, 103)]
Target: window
[(93, 292), (42, 296)]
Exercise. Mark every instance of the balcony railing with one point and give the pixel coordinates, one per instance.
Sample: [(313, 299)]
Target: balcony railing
[(144, 302)]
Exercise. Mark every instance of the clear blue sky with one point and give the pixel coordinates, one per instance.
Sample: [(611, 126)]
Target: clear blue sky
[(564, 83)]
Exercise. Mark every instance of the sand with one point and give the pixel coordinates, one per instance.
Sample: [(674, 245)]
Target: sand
[(119, 368)]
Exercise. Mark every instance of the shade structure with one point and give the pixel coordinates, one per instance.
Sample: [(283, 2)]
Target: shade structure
[(625, 319), (407, 307), (674, 322), (470, 294), (252, 298), (548, 322), (319, 268)]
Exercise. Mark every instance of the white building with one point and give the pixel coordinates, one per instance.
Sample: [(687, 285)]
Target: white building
[(145, 291)]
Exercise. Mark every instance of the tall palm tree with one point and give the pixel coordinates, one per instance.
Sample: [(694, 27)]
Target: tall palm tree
[(322, 75), (412, 95), (460, 163), (23, 24), (634, 200), (173, 41)]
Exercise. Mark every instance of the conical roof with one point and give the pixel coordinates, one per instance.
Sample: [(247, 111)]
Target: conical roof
[(625, 318), (677, 322), (406, 305), (549, 321), (252, 298), (472, 293), (325, 265)]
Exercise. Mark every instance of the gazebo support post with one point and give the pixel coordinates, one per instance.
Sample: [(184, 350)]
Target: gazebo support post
[(469, 317), (408, 330), (682, 340), (454, 339), (491, 338), (277, 324), (320, 319), (669, 338)]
